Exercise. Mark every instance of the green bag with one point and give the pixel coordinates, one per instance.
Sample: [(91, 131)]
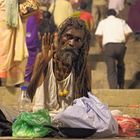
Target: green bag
[(31, 125)]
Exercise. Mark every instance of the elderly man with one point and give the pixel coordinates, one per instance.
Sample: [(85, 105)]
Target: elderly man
[(62, 75)]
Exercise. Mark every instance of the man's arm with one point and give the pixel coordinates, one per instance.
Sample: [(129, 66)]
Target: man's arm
[(99, 35), (99, 40), (127, 36), (36, 66), (127, 31)]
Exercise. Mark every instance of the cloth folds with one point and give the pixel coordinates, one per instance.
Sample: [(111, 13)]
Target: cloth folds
[(12, 12), (13, 50)]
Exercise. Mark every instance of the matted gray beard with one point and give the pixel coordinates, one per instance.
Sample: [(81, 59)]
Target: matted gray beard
[(68, 55)]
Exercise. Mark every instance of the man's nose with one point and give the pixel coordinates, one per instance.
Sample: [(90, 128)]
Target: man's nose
[(71, 42)]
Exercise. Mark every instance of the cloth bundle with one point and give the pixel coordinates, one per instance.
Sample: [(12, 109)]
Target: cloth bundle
[(28, 7)]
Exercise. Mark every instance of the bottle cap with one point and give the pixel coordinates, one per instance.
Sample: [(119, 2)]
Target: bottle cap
[(24, 88)]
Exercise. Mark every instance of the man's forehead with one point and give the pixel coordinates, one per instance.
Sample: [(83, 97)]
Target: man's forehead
[(74, 31)]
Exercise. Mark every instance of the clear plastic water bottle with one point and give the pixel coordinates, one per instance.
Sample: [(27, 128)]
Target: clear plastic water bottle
[(24, 101)]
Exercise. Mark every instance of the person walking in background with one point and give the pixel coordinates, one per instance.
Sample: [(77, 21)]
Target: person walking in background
[(61, 10), (99, 9), (112, 34), (118, 5)]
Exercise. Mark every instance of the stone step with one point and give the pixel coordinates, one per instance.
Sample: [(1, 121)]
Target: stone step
[(128, 101)]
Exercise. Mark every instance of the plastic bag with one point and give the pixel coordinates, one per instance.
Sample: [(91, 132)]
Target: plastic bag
[(89, 113), (5, 125), (31, 125)]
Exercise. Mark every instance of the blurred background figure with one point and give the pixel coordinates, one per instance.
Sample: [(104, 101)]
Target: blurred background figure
[(84, 15), (133, 18), (45, 3), (61, 10), (13, 50), (118, 5), (75, 4), (99, 9), (32, 42)]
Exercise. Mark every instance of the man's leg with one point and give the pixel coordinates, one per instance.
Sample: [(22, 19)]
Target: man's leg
[(121, 68), (111, 67)]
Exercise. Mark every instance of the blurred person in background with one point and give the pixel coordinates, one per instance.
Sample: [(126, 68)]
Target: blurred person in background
[(118, 5), (112, 34), (13, 50), (75, 4), (85, 15), (45, 3), (61, 10), (99, 9)]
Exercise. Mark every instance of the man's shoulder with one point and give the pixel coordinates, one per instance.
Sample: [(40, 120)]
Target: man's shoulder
[(120, 19), (113, 18), (103, 21)]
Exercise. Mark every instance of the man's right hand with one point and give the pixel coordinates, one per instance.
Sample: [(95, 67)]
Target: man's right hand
[(47, 47)]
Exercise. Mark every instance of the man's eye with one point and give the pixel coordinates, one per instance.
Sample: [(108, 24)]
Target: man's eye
[(77, 39), (69, 36)]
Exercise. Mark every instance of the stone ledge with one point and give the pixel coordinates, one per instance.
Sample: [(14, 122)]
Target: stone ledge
[(127, 100)]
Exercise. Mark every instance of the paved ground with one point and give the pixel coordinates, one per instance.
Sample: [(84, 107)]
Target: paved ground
[(117, 138)]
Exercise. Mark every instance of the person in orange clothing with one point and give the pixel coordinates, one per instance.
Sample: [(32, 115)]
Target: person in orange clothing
[(86, 16)]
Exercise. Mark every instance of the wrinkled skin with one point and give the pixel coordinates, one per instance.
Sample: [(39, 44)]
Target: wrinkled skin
[(71, 42)]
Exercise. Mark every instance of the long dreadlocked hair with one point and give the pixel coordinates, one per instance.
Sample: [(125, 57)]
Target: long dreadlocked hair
[(80, 67), (81, 85)]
